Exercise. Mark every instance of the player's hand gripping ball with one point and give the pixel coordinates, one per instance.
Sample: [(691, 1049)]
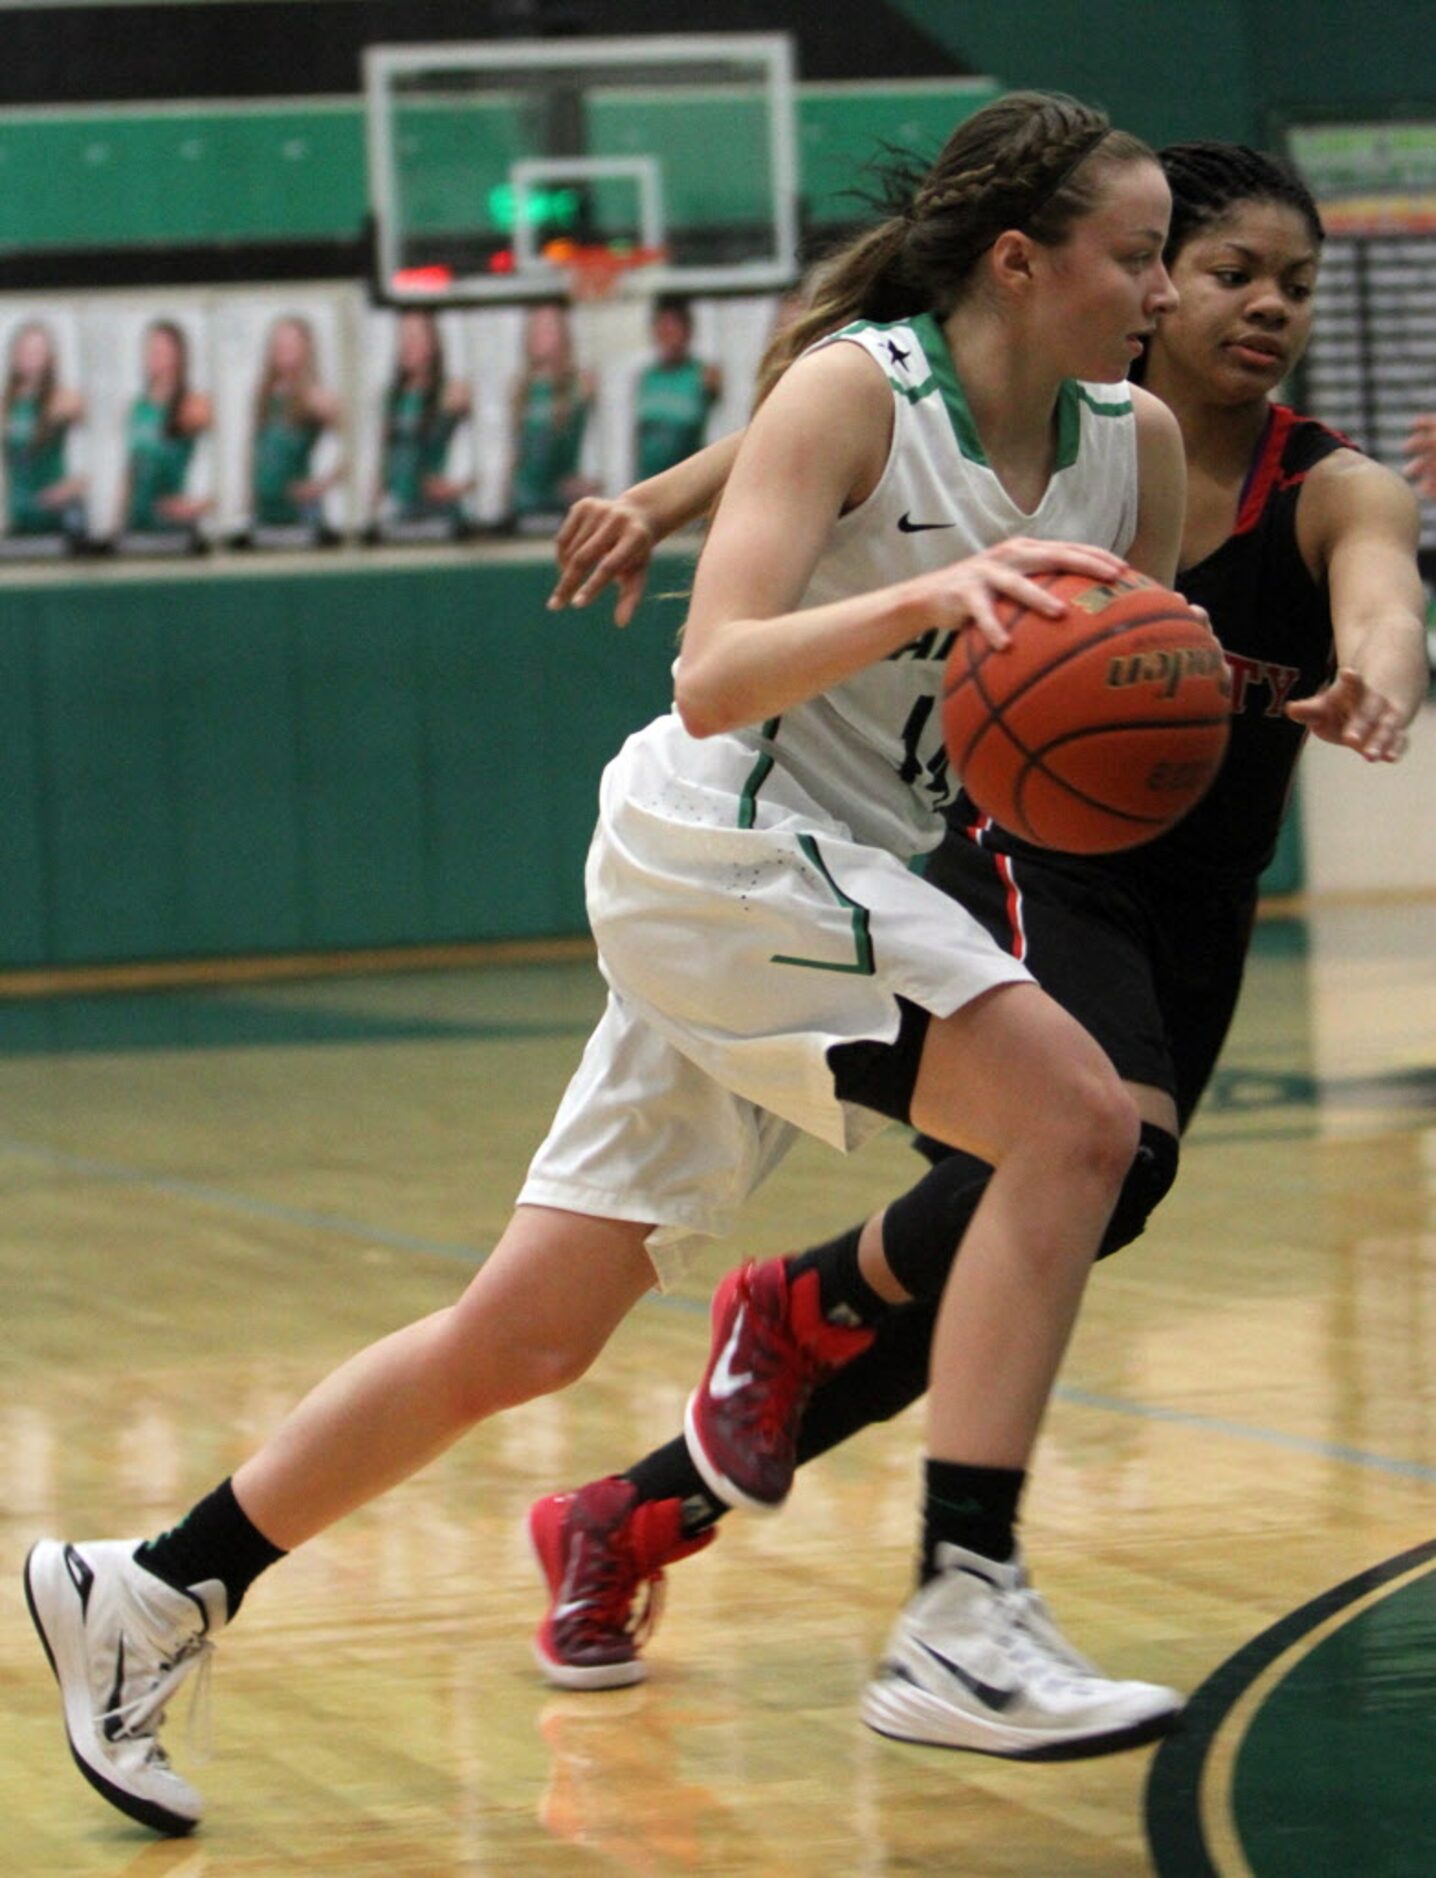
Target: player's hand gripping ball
[(1098, 729)]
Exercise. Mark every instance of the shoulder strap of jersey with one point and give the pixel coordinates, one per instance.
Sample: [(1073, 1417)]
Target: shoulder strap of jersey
[(1290, 446)]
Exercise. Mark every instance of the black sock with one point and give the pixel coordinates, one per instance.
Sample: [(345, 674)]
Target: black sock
[(845, 1295), (669, 1474), (974, 1507), (215, 1539)]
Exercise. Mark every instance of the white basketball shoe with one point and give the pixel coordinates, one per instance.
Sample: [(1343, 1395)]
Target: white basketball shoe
[(975, 1661), (121, 1641)]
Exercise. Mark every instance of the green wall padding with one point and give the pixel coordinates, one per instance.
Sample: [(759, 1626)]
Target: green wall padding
[(241, 763), (96, 179), (306, 761), (106, 178)]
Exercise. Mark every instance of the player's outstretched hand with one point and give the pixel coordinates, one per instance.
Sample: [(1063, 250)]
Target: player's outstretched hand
[(1350, 712), (1420, 457), (967, 592), (604, 541)]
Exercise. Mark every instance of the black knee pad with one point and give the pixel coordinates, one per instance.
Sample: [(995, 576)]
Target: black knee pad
[(922, 1229), (1149, 1180)]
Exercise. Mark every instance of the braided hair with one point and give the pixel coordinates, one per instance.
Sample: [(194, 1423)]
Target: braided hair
[(1029, 160), (1208, 180)]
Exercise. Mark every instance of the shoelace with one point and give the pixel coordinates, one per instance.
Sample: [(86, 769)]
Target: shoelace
[(608, 1589), (144, 1714), (641, 1627)]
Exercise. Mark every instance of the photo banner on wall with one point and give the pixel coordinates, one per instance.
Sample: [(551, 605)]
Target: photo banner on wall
[(43, 420), (148, 385), (283, 418)]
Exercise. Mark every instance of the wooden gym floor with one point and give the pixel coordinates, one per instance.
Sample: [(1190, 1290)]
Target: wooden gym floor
[(211, 1195)]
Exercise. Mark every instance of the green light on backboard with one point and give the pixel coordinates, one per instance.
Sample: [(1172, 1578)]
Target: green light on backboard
[(547, 208)]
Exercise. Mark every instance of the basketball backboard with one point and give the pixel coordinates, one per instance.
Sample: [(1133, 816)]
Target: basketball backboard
[(483, 156)]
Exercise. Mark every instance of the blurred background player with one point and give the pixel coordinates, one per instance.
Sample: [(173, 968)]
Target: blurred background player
[(1303, 551), (423, 409), (40, 498), (552, 402), (292, 412), (1420, 463), (675, 394), (165, 423)]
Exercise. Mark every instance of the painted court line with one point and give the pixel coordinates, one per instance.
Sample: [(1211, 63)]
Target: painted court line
[(226, 1200), (473, 1256), (1245, 1431)]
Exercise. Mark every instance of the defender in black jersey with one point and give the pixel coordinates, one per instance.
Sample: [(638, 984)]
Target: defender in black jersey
[(1147, 946), (1303, 553)]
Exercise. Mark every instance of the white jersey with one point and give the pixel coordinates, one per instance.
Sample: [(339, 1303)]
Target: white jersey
[(750, 892), (871, 748)]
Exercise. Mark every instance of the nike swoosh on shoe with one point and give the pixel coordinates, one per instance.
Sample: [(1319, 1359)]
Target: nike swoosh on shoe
[(726, 1381), (572, 1607), (991, 1695)]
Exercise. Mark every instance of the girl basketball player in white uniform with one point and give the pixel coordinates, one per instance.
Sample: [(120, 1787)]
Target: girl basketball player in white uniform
[(773, 963)]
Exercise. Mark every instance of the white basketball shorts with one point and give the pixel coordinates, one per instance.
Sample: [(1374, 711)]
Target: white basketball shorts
[(736, 958)]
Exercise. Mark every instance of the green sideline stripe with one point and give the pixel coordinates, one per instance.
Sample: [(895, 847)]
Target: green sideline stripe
[(1175, 1831)]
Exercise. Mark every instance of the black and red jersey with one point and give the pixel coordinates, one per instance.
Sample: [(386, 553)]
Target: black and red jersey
[(1274, 622)]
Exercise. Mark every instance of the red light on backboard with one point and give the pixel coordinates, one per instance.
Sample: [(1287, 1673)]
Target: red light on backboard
[(431, 279)]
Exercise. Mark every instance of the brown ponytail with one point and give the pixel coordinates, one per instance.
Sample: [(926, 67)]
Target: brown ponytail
[(1029, 160)]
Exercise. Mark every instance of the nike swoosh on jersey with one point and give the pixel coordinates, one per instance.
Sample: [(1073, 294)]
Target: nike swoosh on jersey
[(725, 1380), (988, 1693), (907, 526)]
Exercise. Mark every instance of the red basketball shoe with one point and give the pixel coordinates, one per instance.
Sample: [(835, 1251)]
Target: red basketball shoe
[(771, 1347), (598, 1548)]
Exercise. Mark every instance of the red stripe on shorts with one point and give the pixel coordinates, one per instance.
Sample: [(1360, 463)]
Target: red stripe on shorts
[(1014, 905)]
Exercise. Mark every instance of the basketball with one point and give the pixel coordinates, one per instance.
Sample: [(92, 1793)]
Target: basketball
[(1096, 730)]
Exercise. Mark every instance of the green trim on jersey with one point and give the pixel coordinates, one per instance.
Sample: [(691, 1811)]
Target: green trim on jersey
[(864, 964), (946, 381), (913, 393), (1124, 409), (943, 380), (757, 776), (964, 426), (1069, 425), (1071, 396)]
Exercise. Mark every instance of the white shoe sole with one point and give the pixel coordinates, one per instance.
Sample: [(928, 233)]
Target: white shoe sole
[(595, 1676), (904, 1712), (52, 1598), (574, 1675), (714, 1478)]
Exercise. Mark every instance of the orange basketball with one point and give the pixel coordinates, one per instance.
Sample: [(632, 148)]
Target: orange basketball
[(1096, 730)]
